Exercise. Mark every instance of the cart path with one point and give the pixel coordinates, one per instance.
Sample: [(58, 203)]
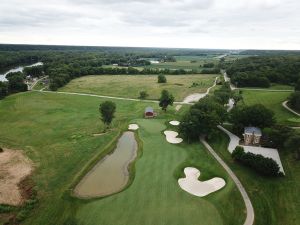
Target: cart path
[(284, 104), (249, 208), (105, 96)]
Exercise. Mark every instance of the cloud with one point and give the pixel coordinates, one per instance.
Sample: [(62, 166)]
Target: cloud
[(170, 23)]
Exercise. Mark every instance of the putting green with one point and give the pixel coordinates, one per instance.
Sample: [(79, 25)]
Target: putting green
[(155, 197)]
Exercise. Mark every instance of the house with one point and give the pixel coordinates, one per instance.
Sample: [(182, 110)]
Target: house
[(149, 112), (252, 135)]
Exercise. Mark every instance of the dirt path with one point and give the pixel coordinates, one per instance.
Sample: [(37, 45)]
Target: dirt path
[(250, 211)]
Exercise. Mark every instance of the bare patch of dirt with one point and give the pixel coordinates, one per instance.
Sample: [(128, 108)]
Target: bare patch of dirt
[(14, 168)]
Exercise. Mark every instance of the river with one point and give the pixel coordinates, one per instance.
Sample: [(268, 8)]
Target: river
[(17, 69)]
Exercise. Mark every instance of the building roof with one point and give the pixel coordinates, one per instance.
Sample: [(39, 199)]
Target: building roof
[(252, 130), (149, 109)]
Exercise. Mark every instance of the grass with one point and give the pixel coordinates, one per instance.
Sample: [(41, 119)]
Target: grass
[(130, 85), (275, 200), (55, 131), (155, 197), (273, 101)]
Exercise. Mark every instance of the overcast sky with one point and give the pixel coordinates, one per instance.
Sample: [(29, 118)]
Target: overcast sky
[(230, 24)]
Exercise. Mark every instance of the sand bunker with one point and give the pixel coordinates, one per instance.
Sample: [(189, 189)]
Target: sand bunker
[(178, 107), (192, 185), (171, 137), (133, 127), (174, 122), (14, 167)]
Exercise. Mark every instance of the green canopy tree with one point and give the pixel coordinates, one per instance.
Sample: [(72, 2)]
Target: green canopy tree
[(107, 110), (165, 100), (201, 119), (256, 115)]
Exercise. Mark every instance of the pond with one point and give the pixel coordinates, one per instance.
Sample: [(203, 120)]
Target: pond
[(17, 69), (109, 175)]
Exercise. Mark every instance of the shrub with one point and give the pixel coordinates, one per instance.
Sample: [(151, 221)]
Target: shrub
[(161, 78), (238, 152), (262, 165), (143, 95)]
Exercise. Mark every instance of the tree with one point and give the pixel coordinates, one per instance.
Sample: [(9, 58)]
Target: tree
[(3, 89), (16, 83), (256, 115), (293, 143), (237, 152), (165, 100), (161, 78), (143, 95), (276, 136), (202, 119), (107, 110)]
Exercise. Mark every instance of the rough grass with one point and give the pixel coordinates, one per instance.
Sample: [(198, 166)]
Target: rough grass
[(275, 200), (273, 101), (155, 197), (131, 85)]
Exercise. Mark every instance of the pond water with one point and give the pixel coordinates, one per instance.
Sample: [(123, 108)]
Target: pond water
[(109, 175), (17, 69)]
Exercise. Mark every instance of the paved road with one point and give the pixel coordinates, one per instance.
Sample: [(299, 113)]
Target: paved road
[(284, 104), (249, 208)]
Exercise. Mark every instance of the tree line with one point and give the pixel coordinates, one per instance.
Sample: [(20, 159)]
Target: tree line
[(261, 71)]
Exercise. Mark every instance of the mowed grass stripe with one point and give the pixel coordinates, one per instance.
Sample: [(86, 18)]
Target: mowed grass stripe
[(154, 196)]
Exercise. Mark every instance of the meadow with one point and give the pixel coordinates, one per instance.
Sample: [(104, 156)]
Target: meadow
[(56, 133), (130, 85), (275, 200), (273, 101)]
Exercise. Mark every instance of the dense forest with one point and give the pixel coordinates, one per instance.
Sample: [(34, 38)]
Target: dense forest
[(261, 71)]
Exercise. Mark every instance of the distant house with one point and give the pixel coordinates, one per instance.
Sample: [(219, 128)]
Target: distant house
[(149, 112), (252, 135)]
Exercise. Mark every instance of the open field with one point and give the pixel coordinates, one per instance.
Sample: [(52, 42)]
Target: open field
[(155, 197), (273, 101), (56, 132), (130, 85), (275, 200)]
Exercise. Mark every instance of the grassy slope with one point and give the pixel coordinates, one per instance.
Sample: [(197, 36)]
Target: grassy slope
[(273, 101), (155, 197), (56, 133), (276, 200), (131, 85)]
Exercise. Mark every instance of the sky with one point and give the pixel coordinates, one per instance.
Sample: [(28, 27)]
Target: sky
[(226, 24)]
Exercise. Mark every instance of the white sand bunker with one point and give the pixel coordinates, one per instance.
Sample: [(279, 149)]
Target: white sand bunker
[(192, 185), (174, 122), (171, 137), (133, 127)]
